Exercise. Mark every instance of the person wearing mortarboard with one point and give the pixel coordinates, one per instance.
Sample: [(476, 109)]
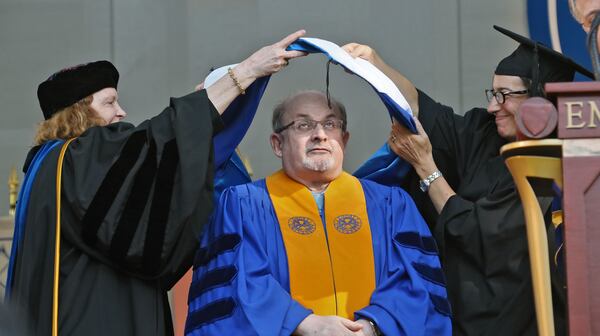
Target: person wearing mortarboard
[(466, 194), (132, 200)]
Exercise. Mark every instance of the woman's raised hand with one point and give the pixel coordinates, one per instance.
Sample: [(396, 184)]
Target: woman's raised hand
[(270, 59)]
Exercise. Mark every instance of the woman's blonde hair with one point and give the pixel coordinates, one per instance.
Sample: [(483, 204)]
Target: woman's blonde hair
[(69, 122)]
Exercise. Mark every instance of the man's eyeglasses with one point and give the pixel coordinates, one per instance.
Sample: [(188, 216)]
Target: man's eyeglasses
[(308, 125), (501, 95)]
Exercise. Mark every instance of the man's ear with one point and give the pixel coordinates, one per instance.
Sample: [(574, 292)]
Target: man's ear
[(345, 138), (276, 144)]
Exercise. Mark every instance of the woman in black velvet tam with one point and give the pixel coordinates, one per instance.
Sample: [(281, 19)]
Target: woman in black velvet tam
[(134, 199)]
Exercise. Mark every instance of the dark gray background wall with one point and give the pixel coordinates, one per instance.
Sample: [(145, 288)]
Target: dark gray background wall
[(164, 48)]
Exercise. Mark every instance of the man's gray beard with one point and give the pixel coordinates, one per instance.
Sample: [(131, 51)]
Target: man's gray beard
[(318, 165)]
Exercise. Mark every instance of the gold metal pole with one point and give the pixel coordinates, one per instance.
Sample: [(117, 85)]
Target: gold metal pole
[(522, 167)]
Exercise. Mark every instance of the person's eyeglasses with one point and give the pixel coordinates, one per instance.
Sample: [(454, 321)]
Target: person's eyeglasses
[(308, 125), (501, 96)]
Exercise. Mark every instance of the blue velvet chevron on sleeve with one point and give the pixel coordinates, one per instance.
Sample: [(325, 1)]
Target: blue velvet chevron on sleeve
[(238, 287), (410, 296)]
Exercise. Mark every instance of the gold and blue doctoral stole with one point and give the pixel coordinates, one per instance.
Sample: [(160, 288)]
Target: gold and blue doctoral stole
[(331, 272)]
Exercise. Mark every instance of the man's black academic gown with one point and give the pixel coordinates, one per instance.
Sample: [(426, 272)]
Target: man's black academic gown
[(481, 230)]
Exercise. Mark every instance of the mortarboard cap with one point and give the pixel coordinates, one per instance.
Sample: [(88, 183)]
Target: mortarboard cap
[(537, 62), (68, 86)]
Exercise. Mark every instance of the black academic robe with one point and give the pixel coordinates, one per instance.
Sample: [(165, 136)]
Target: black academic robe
[(134, 200), (481, 230)]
